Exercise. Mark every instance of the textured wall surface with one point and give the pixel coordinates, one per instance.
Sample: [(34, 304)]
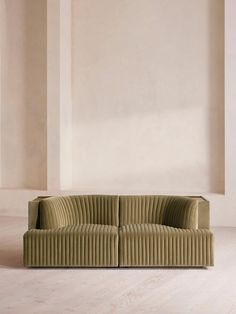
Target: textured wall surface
[(129, 61), (24, 92), (148, 98)]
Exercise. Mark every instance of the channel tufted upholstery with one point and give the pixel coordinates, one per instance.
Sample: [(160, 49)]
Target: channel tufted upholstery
[(73, 231), (82, 209), (89, 245), (124, 231), (153, 244), (175, 211)]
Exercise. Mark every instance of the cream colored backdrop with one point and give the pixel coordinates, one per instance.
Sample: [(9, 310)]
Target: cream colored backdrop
[(24, 94), (147, 110), (148, 96)]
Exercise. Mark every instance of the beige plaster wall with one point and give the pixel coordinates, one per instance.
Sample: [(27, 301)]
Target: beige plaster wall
[(148, 96), (23, 101), (102, 31)]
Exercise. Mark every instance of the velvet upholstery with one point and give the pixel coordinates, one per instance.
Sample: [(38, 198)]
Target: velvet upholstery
[(86, 245), (160, 245), (82, 209), (175, 211), (112, 231)]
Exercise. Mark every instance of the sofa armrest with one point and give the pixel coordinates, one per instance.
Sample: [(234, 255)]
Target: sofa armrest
[(34, 213), (203, 212), (181, 212)]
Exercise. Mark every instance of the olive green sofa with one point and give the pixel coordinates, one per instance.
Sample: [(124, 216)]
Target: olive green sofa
[(118, 231)]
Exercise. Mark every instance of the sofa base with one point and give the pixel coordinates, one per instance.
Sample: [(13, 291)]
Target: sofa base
[(151, 245), (88, 245), (96, 246)]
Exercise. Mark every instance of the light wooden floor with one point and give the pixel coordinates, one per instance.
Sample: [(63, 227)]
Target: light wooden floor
[(86, 291)]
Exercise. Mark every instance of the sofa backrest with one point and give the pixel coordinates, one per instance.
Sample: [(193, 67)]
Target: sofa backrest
[(80, 209), (175, 211), (135, 209)]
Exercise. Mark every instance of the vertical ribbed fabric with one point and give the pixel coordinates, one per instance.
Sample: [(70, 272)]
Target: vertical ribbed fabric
[(157, 245), (174, 211), (81, 245), (82, 209), (84, 231), (181, 212)]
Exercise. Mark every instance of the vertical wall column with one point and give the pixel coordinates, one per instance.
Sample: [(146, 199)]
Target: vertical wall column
[(59, 106), (230, 96), (1, 64), (2, 70), (223, 206)]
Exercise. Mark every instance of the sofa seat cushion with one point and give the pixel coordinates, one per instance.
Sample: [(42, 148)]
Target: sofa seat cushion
[(75, 245), (160, 245)]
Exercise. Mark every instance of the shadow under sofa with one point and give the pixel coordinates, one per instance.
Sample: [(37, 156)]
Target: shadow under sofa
[(118, 231)]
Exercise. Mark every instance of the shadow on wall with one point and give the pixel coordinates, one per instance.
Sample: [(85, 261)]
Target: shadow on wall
[(172, 161), (147, 182), (130, 76)]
